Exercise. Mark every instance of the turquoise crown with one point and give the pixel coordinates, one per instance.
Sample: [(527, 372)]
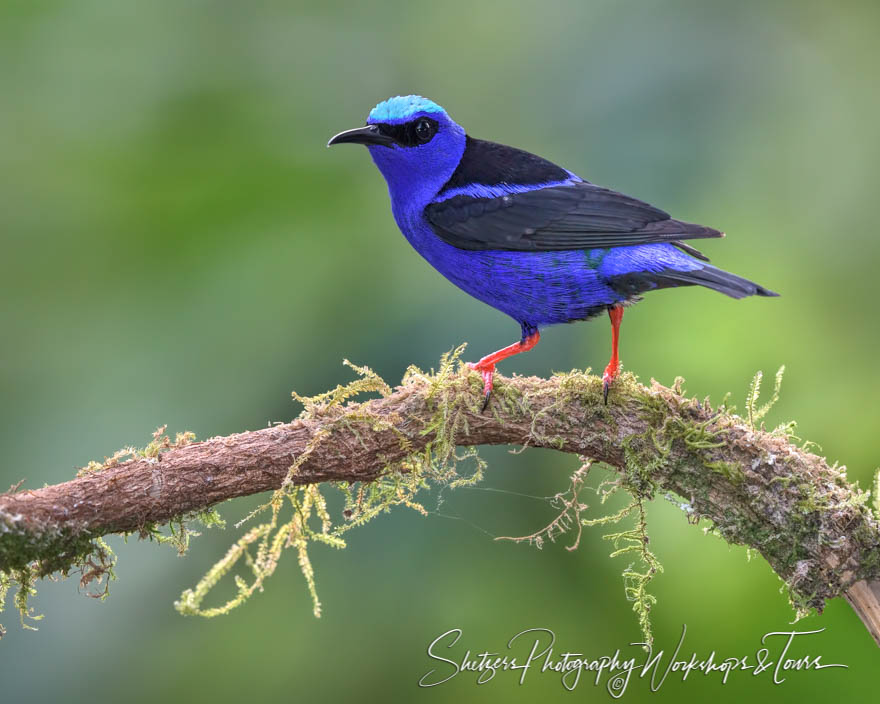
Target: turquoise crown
[(401, 108)]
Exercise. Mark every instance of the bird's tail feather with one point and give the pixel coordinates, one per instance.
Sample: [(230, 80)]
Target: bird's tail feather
[(716, 279)]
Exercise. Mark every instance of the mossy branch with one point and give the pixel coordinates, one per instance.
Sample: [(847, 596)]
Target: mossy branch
[(758, 488)]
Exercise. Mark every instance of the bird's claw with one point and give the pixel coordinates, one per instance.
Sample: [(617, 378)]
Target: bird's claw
[(488, 373), (607, 379)]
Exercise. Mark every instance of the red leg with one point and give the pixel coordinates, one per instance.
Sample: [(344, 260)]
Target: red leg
[(611, 371), (486, 366)]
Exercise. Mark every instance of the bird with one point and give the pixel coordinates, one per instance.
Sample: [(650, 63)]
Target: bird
[(529, 238)]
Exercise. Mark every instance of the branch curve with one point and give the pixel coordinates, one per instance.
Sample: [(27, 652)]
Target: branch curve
[(758, 488)]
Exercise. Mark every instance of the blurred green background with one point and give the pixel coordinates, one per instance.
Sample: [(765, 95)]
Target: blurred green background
[(177, 246)]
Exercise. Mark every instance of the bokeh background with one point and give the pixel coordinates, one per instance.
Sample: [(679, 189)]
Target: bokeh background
[(177, 246)]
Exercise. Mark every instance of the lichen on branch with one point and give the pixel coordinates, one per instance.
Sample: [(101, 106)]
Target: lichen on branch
[(755, 487), (397, 484)]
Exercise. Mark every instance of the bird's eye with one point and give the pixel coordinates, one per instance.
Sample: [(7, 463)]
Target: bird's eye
[(424, 130)]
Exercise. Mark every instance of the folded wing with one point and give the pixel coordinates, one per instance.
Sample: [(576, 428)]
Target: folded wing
[(577, 216)]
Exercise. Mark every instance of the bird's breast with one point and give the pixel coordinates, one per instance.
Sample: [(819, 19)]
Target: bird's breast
[(541, 288)]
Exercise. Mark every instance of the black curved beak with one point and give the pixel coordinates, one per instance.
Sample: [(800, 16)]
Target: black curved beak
[(362, 135)]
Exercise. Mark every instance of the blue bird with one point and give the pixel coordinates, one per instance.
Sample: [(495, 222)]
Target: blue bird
[(524, 235)]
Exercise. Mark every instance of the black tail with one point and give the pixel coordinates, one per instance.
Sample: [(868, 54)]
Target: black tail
[(714, 278)]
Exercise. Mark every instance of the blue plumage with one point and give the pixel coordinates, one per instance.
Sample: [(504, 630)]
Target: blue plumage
[(402, 108), (480, 190), (524, 235)]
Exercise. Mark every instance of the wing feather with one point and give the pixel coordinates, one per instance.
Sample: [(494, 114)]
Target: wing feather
[(577, 216)]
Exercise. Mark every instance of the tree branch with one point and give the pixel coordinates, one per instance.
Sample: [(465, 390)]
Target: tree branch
[(758, 488)]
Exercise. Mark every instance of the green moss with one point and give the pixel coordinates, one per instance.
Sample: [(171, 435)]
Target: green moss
[(29, 552), (875, 504), (641, 461), (54, 549), (180, 531), (754, 413), (679, 444), (27, 556), (728, 470), (398, 484), (159, 443)]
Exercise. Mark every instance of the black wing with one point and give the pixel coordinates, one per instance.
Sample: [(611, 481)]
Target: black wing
[(577, 216)]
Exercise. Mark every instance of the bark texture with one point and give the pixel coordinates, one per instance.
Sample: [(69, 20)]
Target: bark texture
[(758, 488)]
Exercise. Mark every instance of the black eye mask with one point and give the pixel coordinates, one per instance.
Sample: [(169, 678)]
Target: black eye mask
[(411, 134)]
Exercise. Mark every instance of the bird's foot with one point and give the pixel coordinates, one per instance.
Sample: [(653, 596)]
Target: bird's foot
[(487, 371), (615, 313), (611, 372), (486, 366)]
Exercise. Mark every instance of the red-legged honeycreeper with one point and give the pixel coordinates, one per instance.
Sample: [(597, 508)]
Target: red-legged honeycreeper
[(524, 235)]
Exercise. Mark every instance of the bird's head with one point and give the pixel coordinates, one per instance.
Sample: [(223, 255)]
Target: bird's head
[(415, 144)]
